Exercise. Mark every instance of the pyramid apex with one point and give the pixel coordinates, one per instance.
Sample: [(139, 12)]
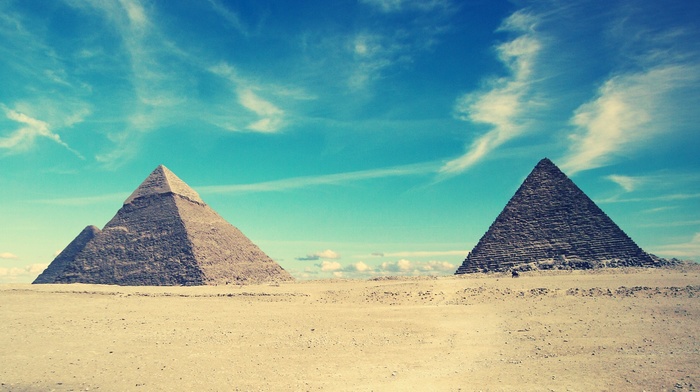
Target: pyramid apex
[(545, 168), (163, 181), (545, 162)]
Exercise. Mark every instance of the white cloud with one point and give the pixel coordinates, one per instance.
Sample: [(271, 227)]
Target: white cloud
[(83, 201), (365, 45), (652, 95), (402, 265), (271, 118), (135, 12), (371, 53), (360, 266), (663, 180), (402, 5), (23, 138), (441, 266), (154, 61), (7, 255), (271, 115), (690, 249), (628, 112), (363, 270), (666, 197), (229, 16), (329, 266), (21, 274), (627, 183), (407, 267), (363, 57), (328, 179), (501, 105), (421, 253), (326, 254), (385, 5)]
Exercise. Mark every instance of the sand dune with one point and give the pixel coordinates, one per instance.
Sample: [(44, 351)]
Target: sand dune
[(614, 330)]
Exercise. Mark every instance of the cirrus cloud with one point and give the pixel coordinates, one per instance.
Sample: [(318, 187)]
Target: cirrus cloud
[(23, 138), (501, 103), (628, 111), (689, 249)]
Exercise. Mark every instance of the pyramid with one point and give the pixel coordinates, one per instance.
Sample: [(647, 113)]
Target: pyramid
[(164, 234), (551, 223), (58, 265)]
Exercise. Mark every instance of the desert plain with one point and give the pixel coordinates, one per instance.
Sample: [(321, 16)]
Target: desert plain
[(630, 329)]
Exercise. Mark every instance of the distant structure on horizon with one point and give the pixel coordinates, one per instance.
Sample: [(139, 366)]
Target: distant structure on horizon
[(550, 224), (163, 235)]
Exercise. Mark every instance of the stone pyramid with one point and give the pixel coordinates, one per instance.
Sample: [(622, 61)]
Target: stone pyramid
[(164, 234), (58, 265), (551, 223)]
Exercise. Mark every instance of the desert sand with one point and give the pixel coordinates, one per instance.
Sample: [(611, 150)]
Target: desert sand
[(608, 330)]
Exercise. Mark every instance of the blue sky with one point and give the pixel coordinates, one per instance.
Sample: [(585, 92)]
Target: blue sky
[(347, 138)]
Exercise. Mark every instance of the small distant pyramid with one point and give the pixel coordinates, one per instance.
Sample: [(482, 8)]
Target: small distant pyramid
[(164, 234), (58, 265), (551, 223)]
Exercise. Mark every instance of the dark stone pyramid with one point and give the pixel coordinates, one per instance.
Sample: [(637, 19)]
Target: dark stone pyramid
[(58, 265), (551, 223), (164, 234)]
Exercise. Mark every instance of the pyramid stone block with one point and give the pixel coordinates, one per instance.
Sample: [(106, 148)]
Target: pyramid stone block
[(551, 223), (164, 234)]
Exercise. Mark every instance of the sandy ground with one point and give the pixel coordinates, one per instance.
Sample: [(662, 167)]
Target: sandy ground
[(617, 330)]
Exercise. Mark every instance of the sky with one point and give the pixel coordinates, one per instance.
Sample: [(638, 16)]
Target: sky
[(347, 139)]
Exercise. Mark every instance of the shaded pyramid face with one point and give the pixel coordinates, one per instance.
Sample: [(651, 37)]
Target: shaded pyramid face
[(551, 223), (164, 234)]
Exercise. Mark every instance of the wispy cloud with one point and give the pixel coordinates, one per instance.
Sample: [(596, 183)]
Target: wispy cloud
[(690, 249), (372, 53), (406, 5), (666, 197), (55, 99), (231, 17), (677, 186), (151, 67), (7, 255), (501, 104), (675, 223), (272, 186), (328, 179), (651, 92), (627, 113), (270, 115), (420, 253), (152, 59), (628, 183), (23, 138), (83, 201), (364, 56)]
